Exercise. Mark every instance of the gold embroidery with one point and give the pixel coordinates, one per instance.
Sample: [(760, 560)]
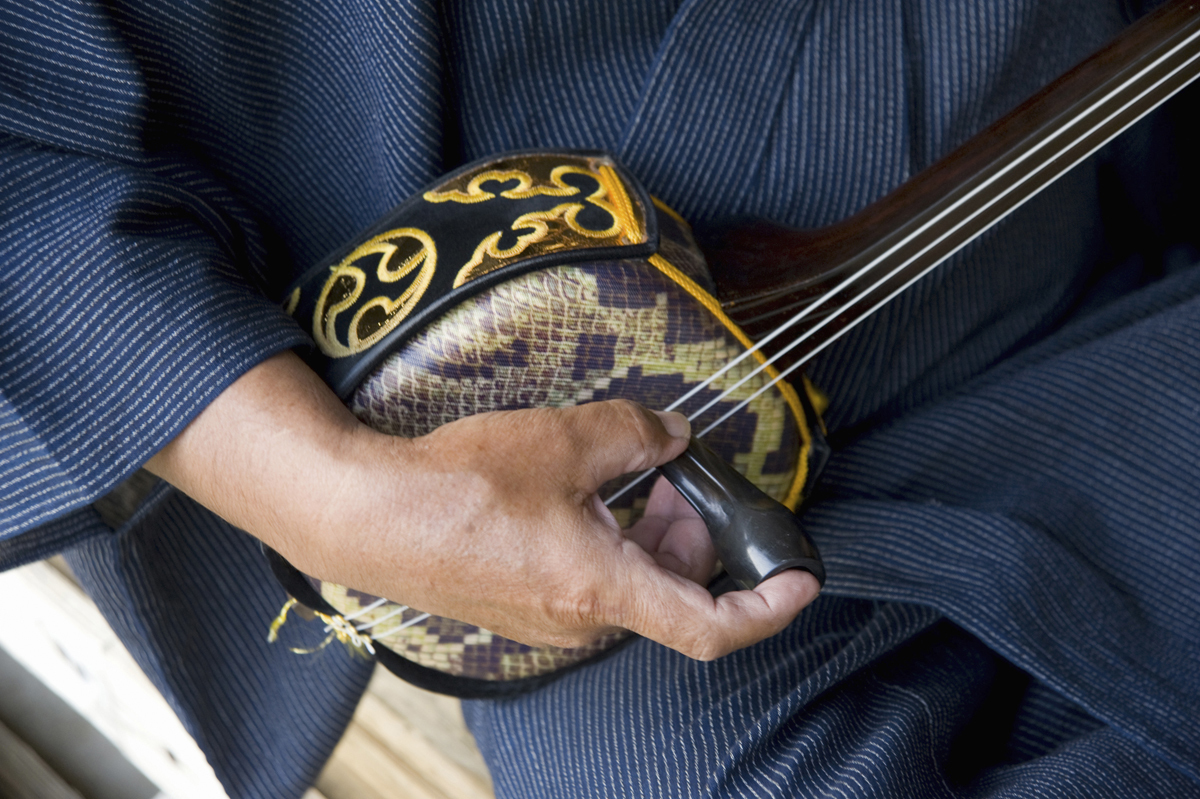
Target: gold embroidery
[(613, 198), (554, 230), (292, 301), (524, 189), (557, 224), (538, 224), (414, 250)]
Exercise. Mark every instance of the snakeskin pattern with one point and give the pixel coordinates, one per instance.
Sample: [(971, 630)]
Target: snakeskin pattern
[(558, 337), (570, 285)]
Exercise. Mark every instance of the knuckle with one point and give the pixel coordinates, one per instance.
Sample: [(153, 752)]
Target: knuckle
[(576, 608), (642, 431), (636, 418), (576, 618)]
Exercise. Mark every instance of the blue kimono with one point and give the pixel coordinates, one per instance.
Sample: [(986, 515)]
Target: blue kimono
[(1010, 521)]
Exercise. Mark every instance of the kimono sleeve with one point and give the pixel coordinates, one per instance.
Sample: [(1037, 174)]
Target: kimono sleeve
[(130, 281)]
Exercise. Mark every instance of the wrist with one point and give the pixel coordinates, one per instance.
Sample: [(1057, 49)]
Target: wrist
[(269, 454)]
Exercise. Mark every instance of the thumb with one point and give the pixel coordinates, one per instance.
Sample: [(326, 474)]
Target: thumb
[(624, 437), (682, 615)]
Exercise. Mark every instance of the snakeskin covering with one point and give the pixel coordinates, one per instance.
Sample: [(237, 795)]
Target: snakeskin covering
[(640, 328), (554, 338)]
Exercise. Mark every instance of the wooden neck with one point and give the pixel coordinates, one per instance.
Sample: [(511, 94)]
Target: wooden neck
[(834, 277)]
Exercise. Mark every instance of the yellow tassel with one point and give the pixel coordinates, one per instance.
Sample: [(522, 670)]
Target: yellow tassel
[(273, 636), (336, 626)]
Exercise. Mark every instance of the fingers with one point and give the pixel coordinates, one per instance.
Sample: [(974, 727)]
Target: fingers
[(665, 500), (541, 471), (681, 546), (682, 615), (658, 591), (675, 536), (623, 437)]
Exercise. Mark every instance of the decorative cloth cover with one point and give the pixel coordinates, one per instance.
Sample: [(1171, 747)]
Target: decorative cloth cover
[(532, 279)]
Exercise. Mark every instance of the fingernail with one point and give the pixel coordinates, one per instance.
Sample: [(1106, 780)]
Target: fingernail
[(676, 423)]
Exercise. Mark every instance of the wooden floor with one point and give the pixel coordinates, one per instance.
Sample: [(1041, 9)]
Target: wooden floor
[(403, 743)]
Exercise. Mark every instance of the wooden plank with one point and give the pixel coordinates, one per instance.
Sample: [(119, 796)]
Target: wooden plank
[(59, 635), (64, 740), (412, 746), (24, 775), (363, 767), (438, 721), (420, 750), (403, 742)]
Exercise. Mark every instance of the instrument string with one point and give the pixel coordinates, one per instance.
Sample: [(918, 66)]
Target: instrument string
[(1075, 136), (894, 279), (924, 228)]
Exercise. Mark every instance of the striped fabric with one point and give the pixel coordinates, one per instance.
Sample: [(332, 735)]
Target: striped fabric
[(266, 718), (1009, 520)]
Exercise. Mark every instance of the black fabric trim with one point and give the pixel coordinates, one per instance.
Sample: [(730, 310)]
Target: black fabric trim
[(819, 449), (344, 374), (296, 584), (475, 688)]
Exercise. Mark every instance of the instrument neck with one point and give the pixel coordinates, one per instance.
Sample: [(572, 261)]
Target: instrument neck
[(834, 277)]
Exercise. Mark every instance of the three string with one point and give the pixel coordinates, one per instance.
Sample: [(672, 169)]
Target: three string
[(392, 613), (1126, 114), (807, 311), (767, 363)]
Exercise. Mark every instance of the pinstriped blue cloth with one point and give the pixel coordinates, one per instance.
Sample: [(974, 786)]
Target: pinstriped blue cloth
[(1009, 520), (265, 717)]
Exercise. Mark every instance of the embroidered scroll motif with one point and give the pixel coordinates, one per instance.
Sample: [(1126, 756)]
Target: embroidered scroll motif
[(524, 207), (524, 189), (559, 228), (407, 256)]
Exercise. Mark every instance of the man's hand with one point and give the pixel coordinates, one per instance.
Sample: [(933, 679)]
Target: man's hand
[(493, 519)]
